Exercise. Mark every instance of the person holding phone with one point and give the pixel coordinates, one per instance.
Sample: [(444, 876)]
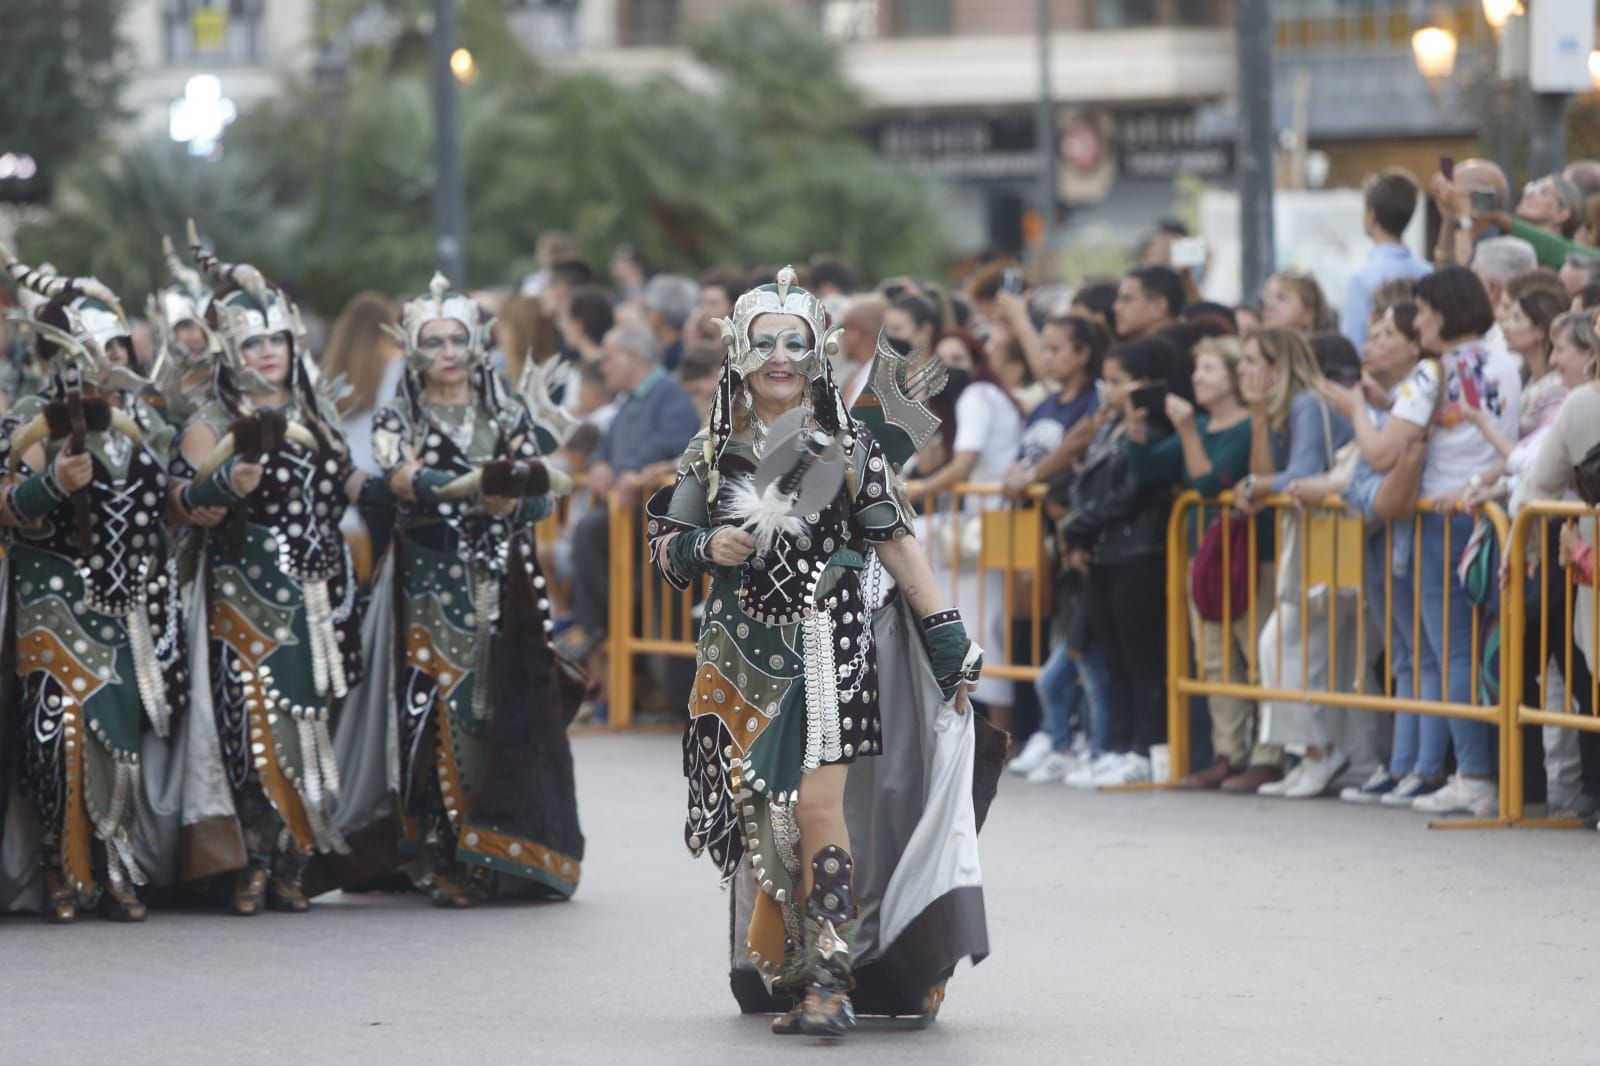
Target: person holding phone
[(1117, 535), (1453, 314), (1210, 453)]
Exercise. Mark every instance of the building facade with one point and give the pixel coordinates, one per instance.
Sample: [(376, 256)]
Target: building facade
[(951, 87), (253, 48)]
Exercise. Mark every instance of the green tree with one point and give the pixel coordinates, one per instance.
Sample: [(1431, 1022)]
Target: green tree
[(766, 165), (111, 213), (63, 70)]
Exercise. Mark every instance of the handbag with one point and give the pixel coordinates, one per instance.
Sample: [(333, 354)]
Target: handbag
[(1209, 582), (1586, 476)]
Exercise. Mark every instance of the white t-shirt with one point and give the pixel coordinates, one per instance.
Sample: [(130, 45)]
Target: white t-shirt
[(1473, 373), (987, 422)]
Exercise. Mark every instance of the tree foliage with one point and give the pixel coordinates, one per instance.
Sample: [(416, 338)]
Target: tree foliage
[(59, 82), (765, 165), (110, 215)]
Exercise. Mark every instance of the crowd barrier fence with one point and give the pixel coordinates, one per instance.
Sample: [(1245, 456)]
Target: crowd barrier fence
[(1334, 565), (1576, 647), (988, 552)]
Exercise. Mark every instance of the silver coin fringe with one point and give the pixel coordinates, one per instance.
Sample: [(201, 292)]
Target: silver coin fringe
[(319, 779), (822, 691), (486, 605), (147, 670), (327, 662), (111, 828)]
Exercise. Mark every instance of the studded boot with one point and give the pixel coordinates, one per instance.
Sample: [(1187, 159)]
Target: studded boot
[(830, 923), (283, 891), (120, 903)]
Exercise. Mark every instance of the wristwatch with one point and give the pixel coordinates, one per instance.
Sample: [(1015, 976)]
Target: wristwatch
[(1247, 487), (1464, 222), (1475, 481)]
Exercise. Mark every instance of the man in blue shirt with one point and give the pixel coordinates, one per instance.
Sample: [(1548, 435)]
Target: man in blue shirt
[(1391, 201), (654, 423)]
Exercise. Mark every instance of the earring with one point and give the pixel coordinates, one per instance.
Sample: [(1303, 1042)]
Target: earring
[(749, 400)]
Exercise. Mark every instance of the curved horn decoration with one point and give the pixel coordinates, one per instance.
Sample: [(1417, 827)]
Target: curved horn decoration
[(302, 436), (462, 487), (123, 423), (39, 280), (219, 455), (187, 277), (26, 436), (74, 347), (205, 258), (560, 481)]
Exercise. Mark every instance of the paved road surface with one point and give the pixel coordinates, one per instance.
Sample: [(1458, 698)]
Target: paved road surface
[(1127, 929)]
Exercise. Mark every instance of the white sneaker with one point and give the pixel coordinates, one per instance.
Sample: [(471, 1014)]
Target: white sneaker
[(1129, 769), (1282, 785), (1032, 754), (1315, 776), (1412, 787), (1056, 766), (1461, 795), (1084, 775)]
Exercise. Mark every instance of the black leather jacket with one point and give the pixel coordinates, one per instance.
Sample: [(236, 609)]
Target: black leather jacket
[(1115, 516)]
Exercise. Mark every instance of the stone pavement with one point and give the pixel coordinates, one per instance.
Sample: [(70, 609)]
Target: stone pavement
[(1131, 928)]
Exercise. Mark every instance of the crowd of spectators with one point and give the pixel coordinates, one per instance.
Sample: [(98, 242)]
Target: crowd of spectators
[(1462, 377)]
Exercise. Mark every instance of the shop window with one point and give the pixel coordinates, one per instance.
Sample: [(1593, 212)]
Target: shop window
[(213, 31), (849, 20), (921, 18), (649, 22), (1110, 14)]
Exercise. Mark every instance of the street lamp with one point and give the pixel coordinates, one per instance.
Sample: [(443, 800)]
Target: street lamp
[(1497, 12), (464, 66), (1594, 69), (1435, 51)]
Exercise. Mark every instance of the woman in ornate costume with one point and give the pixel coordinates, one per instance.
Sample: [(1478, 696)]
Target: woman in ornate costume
[(475, 702), (788, 504), (92, 604), (283, 641)]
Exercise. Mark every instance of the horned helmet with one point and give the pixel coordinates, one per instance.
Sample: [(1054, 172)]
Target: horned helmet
[(243, 307), (75, 320)]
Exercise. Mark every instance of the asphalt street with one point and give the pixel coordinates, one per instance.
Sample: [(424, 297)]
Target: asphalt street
[(1127, 928)]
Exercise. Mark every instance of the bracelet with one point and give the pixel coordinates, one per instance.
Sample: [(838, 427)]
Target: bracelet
[(52, 485), (939, 618), (702, 546)]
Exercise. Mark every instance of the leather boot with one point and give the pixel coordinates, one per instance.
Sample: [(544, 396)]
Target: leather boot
[(283, 891), (120, 903), (249, 890), (830, 922), (61, 899)]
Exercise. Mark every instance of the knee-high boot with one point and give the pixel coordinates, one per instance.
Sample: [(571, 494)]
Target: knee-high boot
[(829, 925)]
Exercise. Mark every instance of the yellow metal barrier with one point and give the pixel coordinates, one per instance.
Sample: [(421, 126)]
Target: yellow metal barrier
[(1333, 555), (1542, 521), (650, 617)]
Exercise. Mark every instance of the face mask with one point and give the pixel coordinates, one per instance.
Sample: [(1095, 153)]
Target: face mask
[(901, 347), (957, 381)]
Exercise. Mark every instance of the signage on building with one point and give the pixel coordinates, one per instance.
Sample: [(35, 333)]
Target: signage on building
[(1161, 143), (210, 28), (1095, 147), (960, 147)]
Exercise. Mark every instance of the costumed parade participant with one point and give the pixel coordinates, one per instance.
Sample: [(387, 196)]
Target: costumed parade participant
[(473, 697), (182, 369), (790, 503), (282, 635), (92, 607)]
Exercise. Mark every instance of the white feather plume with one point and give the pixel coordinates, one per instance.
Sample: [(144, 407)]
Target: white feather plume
[(764, 515)]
